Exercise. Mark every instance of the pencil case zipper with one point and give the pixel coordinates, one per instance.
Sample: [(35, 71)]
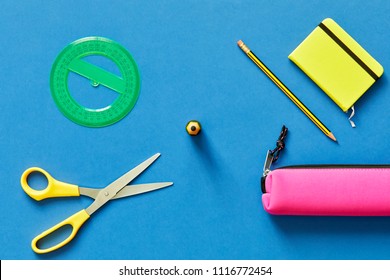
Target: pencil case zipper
[(267, 168)]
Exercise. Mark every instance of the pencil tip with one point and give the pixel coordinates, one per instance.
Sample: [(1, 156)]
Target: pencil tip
[(331, 136)]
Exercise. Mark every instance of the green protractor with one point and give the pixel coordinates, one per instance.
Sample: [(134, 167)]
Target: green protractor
[(71, 60)]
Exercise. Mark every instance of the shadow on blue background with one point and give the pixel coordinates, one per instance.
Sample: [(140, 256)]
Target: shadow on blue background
[(207, 152)]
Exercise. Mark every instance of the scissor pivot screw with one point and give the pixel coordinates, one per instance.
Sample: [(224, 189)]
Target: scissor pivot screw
[(106, 193)]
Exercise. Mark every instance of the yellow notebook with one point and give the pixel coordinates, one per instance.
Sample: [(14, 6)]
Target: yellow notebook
[(336, 63)]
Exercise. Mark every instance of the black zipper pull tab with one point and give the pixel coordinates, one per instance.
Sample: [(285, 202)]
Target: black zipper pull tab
[(273, 156), (279, 143)]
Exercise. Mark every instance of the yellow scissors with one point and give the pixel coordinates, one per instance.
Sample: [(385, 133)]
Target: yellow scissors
[(117, 189)]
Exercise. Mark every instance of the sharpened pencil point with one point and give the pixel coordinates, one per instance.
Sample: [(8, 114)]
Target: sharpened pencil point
[(331, 136)]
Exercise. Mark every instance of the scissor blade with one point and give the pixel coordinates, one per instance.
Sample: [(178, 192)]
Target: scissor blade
[(129, 190), (112, 189), (141, 188)]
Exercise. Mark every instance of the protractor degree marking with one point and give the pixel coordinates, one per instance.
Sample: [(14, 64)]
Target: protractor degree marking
[(98, 75)]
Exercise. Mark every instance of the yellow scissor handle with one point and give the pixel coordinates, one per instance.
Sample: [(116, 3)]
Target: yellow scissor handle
[(75, 221), (54, 188)]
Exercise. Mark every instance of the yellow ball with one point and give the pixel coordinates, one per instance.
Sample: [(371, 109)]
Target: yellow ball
[(193, 127)]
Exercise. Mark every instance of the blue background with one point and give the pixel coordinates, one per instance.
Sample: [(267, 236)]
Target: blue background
[(191, 68)]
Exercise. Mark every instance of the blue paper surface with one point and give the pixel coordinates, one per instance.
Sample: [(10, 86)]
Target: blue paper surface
[(191, 68)]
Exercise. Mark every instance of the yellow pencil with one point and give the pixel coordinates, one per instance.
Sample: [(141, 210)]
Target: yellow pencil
[(286, 91)]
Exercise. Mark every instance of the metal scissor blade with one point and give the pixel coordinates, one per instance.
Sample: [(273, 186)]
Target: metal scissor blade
[(129, 190), (112, 189), (141, 188)]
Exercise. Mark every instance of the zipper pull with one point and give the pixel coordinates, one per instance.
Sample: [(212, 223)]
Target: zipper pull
[(266, 169), (279, 144), (268, 162), (273, 156)]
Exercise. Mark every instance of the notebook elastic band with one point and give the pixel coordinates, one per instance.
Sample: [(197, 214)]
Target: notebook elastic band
[(348, 51)]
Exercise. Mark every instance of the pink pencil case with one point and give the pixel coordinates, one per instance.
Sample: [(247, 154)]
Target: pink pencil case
[(328, 190)]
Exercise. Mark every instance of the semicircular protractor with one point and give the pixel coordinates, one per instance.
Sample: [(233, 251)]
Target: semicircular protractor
[(126, 86)]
